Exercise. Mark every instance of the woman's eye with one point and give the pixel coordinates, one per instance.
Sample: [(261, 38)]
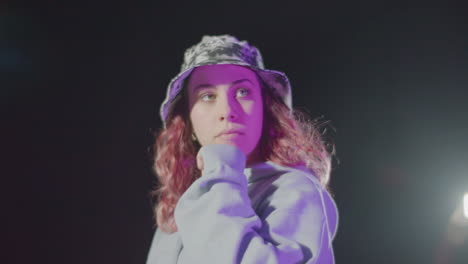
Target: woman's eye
[(243, 92), (207, 97)]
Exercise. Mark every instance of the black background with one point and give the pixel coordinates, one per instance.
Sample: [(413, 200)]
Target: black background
[(82, 83)]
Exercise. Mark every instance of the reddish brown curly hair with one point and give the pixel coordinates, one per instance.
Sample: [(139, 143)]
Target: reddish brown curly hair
[(288, 138)]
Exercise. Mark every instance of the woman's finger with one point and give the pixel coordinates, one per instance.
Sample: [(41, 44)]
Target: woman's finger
[(199, 161)]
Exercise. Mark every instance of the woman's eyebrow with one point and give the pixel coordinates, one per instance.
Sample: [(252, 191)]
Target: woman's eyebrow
[(200, 86)]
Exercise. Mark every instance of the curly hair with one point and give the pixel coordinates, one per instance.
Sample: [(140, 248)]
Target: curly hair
[(289, 138)]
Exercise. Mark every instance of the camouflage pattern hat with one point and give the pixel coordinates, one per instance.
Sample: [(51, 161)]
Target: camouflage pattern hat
[(225, 49)]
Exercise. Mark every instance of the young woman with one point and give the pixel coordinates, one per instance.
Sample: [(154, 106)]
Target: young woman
[(242, 178)]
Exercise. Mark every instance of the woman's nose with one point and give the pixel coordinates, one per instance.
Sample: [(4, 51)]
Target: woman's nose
[(228, 109)]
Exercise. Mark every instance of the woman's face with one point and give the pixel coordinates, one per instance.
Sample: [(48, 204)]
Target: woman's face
[(223, 98)]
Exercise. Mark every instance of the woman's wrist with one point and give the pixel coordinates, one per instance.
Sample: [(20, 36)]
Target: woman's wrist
[(214, 155)]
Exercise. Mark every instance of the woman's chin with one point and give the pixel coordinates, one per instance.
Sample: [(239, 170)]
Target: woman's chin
[(228, 142)]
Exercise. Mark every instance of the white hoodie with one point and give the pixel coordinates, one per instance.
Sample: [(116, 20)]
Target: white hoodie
[(263, 214)]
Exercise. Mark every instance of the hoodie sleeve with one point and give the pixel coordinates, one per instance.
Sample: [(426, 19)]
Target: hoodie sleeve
[(217, 223)]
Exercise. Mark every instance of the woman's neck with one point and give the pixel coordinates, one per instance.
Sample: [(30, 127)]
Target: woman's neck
[(253, 158)]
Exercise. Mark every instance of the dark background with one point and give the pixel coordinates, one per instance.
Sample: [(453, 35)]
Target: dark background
[(81, 85)]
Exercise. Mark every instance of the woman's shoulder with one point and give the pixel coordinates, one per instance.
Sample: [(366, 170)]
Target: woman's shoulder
[(165, 247), (271, 181), (299, 186), (305, 188), (292, 176)]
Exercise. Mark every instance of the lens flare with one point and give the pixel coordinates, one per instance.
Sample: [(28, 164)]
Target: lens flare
[(465, 205)]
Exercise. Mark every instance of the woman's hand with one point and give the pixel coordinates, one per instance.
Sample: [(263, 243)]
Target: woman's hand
[(250, 158), (200, 163)]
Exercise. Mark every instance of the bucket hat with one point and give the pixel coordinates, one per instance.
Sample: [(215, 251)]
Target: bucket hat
[(225, 49)]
